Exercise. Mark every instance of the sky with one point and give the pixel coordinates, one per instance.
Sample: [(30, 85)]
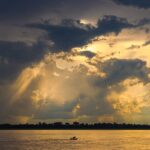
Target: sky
[(75, 60)]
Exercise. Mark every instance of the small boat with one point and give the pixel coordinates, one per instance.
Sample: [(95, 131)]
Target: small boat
[(73, 138)]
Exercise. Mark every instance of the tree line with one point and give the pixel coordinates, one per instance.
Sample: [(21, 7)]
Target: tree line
[(74, 125)]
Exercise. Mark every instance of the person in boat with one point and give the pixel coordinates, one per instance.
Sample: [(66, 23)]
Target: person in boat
[(73, 138)]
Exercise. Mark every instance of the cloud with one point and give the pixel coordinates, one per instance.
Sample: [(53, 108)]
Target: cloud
[(118, 70), (55, 111), (134, 47), (15, 56), (25, 8), (73, 33), (110, 24), (71, 94), (87, 54), (135, 3), (38, 82), (146, 43), (139, 46), (69, 34)]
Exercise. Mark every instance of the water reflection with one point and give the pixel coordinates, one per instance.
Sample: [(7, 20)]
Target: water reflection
[(87, 140)]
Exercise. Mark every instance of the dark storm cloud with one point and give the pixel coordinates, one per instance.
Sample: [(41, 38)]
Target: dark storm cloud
[(110, 24), (25, 8), (118, 70), (135, 3), (21, 52), (144, 21), (14, 56), (72, 33), (69, 34)]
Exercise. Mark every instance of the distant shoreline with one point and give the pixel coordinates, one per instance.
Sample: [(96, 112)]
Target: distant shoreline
[(71, 129), (74, 126)]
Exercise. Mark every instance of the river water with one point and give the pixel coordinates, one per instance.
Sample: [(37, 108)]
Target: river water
[(87, 140)]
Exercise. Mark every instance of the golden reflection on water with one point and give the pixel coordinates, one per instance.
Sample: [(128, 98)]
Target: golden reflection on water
[(87, 140)]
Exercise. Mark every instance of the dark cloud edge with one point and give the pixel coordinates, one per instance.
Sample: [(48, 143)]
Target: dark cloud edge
[(72, 33), (145, 4)]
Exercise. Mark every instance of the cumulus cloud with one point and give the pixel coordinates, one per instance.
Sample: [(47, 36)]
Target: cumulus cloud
[(83, 94), (46, 92)]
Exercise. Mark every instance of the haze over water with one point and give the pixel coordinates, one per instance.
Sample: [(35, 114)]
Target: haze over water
[(88, 140)]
